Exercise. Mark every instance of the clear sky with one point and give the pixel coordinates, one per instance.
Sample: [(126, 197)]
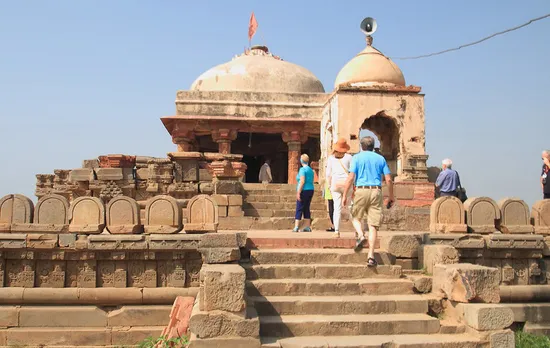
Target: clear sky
[(80, 79)]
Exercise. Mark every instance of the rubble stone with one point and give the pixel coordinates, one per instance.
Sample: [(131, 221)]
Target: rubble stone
[(223, 288), (434, 254), (465, 283), (486, 317), (401, 245)]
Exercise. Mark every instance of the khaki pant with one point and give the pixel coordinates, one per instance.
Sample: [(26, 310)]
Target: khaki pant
[(368, 201)]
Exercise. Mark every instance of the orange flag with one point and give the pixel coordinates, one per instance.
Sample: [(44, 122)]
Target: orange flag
[(252, 26)]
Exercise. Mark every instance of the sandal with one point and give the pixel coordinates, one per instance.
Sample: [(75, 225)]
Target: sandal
[(359, 243), (295, 229), (307, 229), (372, 262), (336, 234), (330, 229)]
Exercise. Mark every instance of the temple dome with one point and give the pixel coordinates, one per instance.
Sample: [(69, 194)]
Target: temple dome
[(370, 67), (257, 70)]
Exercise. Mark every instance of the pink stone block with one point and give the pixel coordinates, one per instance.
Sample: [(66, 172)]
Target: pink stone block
[(179, 317)]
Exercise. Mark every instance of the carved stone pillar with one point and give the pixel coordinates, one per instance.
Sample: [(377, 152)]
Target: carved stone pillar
[(294, 140), (224, 137), (184, 138)]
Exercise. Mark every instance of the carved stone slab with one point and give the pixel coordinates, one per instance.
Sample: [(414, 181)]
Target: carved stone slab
[(117, 242), (15, 210), (482, 214), (51, 215), (123, 216), (173, 242), (515, 216), (87, 215), (13, 241), (163, 215), (540, 214), (459, 241), (447, 216), (510, 241), (202, 215)]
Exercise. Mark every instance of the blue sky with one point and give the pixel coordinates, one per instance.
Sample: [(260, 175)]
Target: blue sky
[(83, 78)]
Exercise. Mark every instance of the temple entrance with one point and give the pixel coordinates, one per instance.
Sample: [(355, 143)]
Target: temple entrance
[(256, 148), (387, 134)]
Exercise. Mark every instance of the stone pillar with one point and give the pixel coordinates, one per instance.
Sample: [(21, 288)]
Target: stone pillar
[(184, 138), (224, 137), (294, 140)]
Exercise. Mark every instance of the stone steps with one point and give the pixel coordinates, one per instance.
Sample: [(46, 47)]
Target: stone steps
[(317, 256), (319, 271), (377, 341), (339, 305), (328, 287), (289, 213), (347, 325), (281, 197), (281, 206)]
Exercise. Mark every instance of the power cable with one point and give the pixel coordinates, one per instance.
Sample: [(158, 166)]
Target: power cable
[(476, 42)]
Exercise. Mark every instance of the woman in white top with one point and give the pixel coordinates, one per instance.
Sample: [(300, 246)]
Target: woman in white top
[(337, 173)]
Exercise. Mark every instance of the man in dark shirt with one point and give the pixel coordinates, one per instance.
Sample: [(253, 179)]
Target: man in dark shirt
[(544, 180)]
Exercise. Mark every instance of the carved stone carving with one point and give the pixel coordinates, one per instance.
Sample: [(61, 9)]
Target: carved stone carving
[(20, 273), (540, 214), (81, 274), (163, 215), (447, 215), (171, 274), (507, 241), (87, 215), (142, 274), (50, 274), (459, 241), (110, 191), (482, 214), (117, 242), (202, 215), (123, 216), (14, 210), (515, 216), (51, 215), (112, 274)]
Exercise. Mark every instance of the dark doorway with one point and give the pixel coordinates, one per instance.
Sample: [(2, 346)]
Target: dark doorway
[(258, 147), (253, 164)]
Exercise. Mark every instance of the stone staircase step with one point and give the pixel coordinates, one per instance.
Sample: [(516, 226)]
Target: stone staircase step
[(376, 341), (317, 256), (281, 213), (347, 325), (281, 206), (279, 198), (328, 287), (317, 271), (339, 305)]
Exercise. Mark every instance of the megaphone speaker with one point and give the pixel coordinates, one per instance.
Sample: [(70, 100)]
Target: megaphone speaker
[(368, 26)]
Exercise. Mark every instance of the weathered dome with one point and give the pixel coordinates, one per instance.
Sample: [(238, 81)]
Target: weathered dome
[(258, 70), (370, 67)]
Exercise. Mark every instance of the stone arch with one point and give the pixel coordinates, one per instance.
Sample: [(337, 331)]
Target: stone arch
[(202, 214), (163, 215), (87, 215), (52, 209), (123, 216), (540, 216), (515, 216), (15, 209), (386, 129), (447, 215), (482, 214)]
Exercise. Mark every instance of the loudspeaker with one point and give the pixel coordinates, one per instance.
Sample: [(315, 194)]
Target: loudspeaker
[(368, 26)]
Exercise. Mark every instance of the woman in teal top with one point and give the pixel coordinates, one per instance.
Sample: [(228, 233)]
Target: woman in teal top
[(304, 195)]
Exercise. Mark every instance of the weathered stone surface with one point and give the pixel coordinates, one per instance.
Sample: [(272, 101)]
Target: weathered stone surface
[(447, 216), (219, 240), (128, 336), (51, 215), (482, 214), (465, 282), (235, 211), (67, 240), (223, 288), (459, 241), (81, 174), (117, 242), (227, 187), (511, 241), (173, 242), (13, 241), (87, 215), (123, 216), (401, 245), (62, 316), (220, 255), (41, 241), (221, 199), (15, 209), (180, 315), (540, 214), (62, 337), (9, 316), (114, 174), (163, 215), (485, 317), (422, 284), (139, 316), (502, 339), (214, 324), (431, 255), (233, 342), (235, 200), (515, 217), (202, 214), (91, 163)]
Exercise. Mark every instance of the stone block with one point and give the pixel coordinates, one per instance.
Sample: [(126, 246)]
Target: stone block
[(163, 215), (206, 188), (173, 242), (202, 215), (13, 241), (180, 315), (233, 342), (41, 241), (227, 187), (540, 215), (486, 317), (42, 336), (447, 216), (235, 200), (431, 255), (235, 211), (166, 295), (401, 245), (91, 163), (223, 288), (62, 316), (87, 215), (114, 174), (459, 241), (83, 174), (51, 215), (123, 216), (515, 217), (408, 264), (465, 283), (15, 209), (67, 240), (422, 284), (220, 199), (215, 324), (502, 339), (128, 336), (142, 173), (219, 240), (222, 211), (139, 316), (482, 214), (110, 296), (515, 241), (187, 170), (9, 316), (220, 255), (117, 242)]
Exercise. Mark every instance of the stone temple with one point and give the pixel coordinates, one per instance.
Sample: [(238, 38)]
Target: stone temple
[(128, 246)]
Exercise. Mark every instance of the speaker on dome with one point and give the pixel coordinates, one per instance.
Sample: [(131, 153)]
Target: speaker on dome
[(368, 26)]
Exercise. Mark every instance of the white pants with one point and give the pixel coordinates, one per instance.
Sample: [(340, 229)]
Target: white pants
[(337, 198)]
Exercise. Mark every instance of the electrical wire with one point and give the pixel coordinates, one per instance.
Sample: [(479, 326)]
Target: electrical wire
[(475, 42)]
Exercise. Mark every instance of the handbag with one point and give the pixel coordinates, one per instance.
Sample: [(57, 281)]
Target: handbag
[(340, 185), (460, 191)]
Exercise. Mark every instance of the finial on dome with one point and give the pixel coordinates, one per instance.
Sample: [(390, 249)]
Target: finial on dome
[(368, 27), (369, 40)]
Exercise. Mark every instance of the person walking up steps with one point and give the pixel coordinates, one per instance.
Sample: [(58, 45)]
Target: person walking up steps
[(337, 173), (304, 194), (366, 170)]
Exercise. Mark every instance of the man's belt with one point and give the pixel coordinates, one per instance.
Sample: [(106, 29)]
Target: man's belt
[(369, 187)]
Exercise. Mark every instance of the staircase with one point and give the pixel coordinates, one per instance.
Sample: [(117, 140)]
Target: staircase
[(330, 298)]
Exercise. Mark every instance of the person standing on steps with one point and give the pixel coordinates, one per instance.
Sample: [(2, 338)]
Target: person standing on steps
[(366, 170), (304, 195), (337, 173)]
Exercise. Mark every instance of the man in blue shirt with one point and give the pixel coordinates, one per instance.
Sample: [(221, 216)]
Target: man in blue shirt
[(448, 181), (366, 170)]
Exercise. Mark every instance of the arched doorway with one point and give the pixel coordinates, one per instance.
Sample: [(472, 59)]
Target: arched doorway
[(387, 133)]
